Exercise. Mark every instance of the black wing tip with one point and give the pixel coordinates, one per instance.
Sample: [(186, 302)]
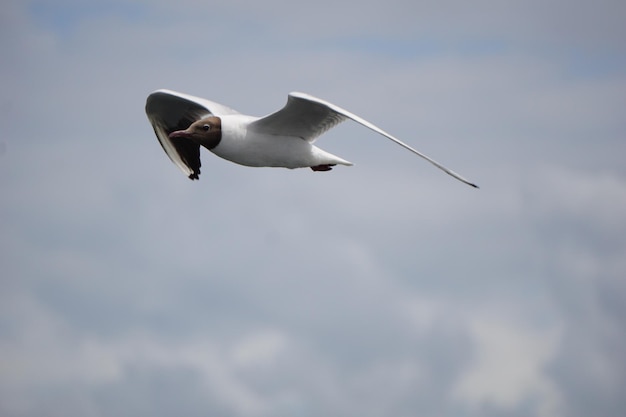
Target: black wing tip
[(195, 175)]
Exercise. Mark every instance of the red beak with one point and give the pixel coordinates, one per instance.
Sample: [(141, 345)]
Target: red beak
[(179, 134)]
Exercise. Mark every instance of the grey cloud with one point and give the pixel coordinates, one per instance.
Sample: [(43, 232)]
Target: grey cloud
[(385, 288)]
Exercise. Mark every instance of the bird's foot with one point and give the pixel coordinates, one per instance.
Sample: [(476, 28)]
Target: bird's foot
[(325, 167)]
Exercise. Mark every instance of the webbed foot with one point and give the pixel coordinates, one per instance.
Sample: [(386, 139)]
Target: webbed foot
[(325, 167)]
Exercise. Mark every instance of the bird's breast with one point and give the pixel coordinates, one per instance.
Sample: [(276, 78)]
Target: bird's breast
[(261, 150)]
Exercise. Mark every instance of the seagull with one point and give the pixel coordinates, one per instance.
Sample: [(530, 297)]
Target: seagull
[(285, 138)]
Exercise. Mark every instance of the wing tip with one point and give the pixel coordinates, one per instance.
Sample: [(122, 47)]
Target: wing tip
[(463, 180)]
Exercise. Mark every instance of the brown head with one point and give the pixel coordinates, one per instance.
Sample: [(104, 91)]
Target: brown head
[(206, 132)]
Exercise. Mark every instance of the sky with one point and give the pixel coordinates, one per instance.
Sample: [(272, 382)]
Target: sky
[(383, 289)]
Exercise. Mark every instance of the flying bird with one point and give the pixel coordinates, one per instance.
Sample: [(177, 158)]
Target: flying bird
[(285, 138)]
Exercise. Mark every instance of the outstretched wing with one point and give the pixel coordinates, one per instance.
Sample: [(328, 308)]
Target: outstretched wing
[(169, 111), (308, 117), (303, 116)]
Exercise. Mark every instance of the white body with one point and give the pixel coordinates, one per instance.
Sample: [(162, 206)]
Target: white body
[(245, 147)]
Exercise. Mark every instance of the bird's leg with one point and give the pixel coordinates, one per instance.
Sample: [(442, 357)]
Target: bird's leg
[(324, 167)]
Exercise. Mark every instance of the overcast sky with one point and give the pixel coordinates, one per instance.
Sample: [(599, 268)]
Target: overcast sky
[(383, 289)]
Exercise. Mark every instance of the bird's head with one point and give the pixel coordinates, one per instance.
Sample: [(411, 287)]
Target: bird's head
[(206, 132)]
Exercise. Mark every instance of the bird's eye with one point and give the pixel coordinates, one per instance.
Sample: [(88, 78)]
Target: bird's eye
[(206, 128)]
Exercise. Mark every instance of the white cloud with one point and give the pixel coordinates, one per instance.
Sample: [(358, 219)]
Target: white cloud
[(259, 349), (509, 367), (384, 288)]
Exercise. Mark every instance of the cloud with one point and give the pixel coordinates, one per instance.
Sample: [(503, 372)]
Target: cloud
[(509, 368), (384, 288)]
